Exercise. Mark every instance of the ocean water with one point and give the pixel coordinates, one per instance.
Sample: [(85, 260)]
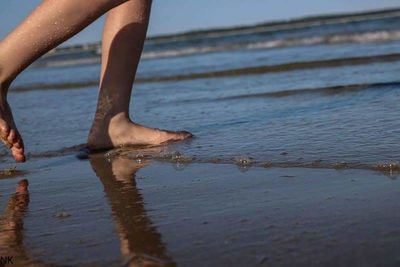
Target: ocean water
[(295, 158), (326, 93)]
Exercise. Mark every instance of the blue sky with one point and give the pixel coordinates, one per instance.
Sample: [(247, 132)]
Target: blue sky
[(171, 16)]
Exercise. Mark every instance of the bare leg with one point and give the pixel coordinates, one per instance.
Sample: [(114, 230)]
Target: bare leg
[(53, 22), (123, 38)]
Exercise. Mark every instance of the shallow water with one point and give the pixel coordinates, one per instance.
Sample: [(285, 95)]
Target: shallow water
[(298, 116), (295, 158), (103, 213)]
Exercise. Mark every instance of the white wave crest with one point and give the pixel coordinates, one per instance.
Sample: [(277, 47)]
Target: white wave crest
[(366, 37)]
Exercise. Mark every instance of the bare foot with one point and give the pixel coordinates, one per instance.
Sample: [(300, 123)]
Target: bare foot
[(9, 134), (120, 131)]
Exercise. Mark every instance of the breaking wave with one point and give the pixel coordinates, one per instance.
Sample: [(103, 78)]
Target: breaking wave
[(365, 37)]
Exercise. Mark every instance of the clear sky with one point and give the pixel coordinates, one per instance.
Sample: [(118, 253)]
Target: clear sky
[(171, 16)]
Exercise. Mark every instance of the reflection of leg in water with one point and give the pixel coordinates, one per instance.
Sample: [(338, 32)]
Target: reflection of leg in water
[(11, 226), (140, 242)]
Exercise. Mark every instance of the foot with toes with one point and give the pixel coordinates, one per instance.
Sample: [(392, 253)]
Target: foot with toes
[(9, 134), (120, 131)]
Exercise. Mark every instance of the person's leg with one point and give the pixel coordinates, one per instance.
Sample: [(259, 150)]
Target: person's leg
[(123, 38), (52, 22)]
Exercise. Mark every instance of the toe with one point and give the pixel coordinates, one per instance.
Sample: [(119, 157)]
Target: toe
[(182, 135), (18, 154), (19, 157), (12, 137), (4, 131), (22, 187), (18, 142), (185, 134), (176, 136)]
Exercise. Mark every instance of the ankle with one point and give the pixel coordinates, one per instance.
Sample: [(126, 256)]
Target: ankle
[(103, 127), (4, 84), (111, 120), (3, 91), (118, 118)]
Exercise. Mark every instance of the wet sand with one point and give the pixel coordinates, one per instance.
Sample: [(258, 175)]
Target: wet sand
[(113, 211)]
